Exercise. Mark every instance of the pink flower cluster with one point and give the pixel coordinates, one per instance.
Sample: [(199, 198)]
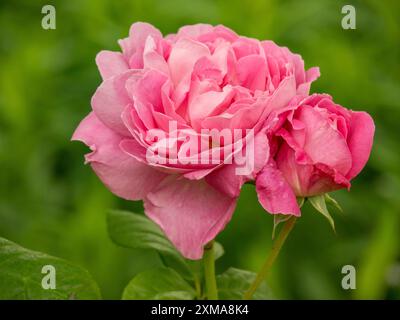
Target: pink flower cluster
[(206, 77)]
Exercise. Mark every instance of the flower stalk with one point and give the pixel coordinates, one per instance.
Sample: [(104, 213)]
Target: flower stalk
[(276, 248), (209, 271)]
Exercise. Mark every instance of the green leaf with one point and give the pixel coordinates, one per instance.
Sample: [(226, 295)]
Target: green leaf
[(158, 284), (233, 283), (185, 267), (333, 202), (21, 276), (319, 204), (132, 230), (136, 231)]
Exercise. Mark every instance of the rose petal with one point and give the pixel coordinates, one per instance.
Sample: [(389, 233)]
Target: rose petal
[(110, 63), (252, 72), (195, 30), (133, 46), (324, 144), (274, 193), (190, 212), (122, 174), (182, 59), (360, 139), (208, 104), (110, 100)]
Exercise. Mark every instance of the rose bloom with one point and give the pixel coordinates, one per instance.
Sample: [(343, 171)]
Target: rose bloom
[(203, 77), (317, 146)]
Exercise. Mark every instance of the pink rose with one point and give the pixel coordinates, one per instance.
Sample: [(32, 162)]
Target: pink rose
[(201, 78), (317, 146)]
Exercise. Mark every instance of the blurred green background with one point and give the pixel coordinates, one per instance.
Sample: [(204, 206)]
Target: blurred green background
[(51, 202)]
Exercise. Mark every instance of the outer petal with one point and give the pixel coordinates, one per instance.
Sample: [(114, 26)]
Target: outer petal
[(283, 94), (360, 139), (325, 179), (147, 89), (152, 59), (312, 74), (135, 43), (194, 31), (122, 174), (139, 31), (190, 212), (206, 33), (110, 63), (274, 193), (110, 100), (308, 179), (324, 144), (226, 180)]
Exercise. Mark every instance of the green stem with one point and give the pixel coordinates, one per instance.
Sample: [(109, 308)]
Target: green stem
[(197, 286), (209, 271), (276, 248)]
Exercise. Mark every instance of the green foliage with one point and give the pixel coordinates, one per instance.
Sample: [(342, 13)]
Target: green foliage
[(233, 283), (170, 281), (136, 231), (21, 276), (377, 268), (158, 284)]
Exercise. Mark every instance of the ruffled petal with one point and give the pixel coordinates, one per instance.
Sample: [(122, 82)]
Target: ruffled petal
[(111, 63), (110, 100), (123, 175), (190, 212)]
